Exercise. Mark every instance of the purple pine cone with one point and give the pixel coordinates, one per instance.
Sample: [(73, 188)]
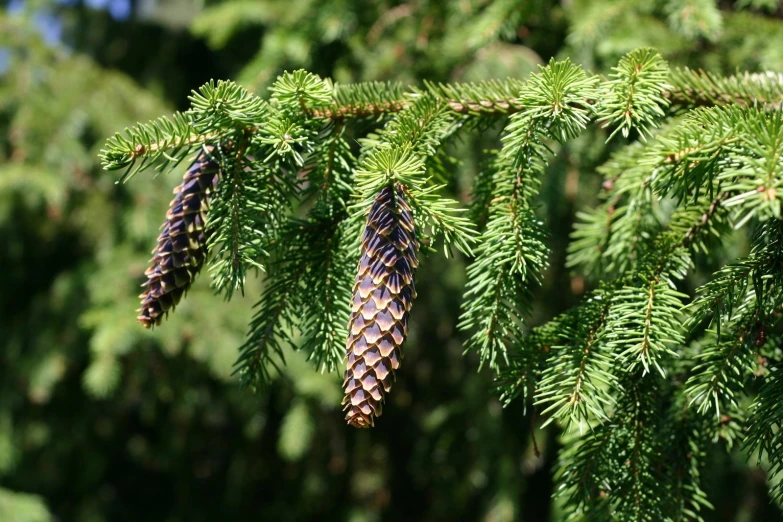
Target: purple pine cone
[(383, 296), (182, 244)]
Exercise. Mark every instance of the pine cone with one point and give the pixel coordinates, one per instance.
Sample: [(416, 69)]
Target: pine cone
[(383, 296), (182, 244)]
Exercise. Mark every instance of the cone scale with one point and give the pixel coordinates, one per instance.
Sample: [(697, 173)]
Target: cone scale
[(382, 298), (182, 244)]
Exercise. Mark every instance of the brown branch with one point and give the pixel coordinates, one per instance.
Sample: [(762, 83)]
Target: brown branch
[(683, 94), (713, 93), (498, 107), (694, 230), (365, 110)]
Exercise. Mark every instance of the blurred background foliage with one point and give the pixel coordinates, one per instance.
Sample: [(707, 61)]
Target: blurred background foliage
[(101, 420)]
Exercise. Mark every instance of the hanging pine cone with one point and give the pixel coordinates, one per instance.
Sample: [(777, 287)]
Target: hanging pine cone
[(182, 244), (383, 296)]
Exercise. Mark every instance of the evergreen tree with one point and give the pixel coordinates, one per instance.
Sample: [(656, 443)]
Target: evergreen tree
[(104, 420), (641, 370)]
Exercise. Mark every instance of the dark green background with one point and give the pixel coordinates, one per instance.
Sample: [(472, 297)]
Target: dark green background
[(103, 421)]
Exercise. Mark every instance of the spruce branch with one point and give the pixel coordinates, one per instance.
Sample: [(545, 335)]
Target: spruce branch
[(362, 100), (700, 88), (484, 98), (712, 223), (163, 142), (224, 105), (580, 471), (633, 494), (626, 327), (398, 154), (577, 388), (764, 437), (686, 159), (528, 358), (561, 95), (277, 311), (245, 217), (685, 460), (741, 299), (307, 197), (613, 237), (714, 383), (754, 175), (500, 282), (169, 140), (312, 258), (612, 472), (737, 149), (513, 253), (301, 89), (261, 170), (510, 259), (391, 174), (645, 318), (325, 288), (483, 189), (634, 97), (644, 322), (306, 289), (328, 248), (329, 173)]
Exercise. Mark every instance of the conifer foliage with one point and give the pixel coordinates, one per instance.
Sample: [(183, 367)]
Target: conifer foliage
[(640, 376)]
